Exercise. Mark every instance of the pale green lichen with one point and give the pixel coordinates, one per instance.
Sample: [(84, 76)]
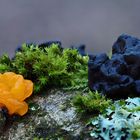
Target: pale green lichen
[(119, 122)]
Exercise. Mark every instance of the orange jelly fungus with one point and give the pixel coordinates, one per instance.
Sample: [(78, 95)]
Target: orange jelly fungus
[(14, 89)]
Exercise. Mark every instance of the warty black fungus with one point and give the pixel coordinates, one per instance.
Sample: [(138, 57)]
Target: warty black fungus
[(118, 77)]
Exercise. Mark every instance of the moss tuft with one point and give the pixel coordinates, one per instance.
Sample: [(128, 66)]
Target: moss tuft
[(92, 102)]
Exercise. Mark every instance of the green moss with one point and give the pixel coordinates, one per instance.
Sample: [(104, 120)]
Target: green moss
[(5, 63), (136, 133), (92, 102), (51, 66)]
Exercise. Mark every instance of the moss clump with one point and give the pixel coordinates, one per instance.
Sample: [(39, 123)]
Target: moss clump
[(5, 64), (92, 102), (50, 66), (136, 133)]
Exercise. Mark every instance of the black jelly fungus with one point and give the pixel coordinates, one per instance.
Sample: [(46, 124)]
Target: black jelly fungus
[(119, 76)]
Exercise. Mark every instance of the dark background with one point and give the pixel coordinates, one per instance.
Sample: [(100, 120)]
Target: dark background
[(96, 23)]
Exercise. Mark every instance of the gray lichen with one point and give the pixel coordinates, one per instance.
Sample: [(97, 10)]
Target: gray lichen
[(51, 116)]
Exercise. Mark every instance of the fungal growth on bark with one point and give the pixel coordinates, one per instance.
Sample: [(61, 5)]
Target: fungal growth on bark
[(118, 76), (14, 89)]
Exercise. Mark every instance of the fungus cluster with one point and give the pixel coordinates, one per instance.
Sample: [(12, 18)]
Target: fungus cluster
[(118, 76), (14, 89)]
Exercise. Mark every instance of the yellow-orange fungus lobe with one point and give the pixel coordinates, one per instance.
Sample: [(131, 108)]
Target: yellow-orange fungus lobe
[(14, 89)]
